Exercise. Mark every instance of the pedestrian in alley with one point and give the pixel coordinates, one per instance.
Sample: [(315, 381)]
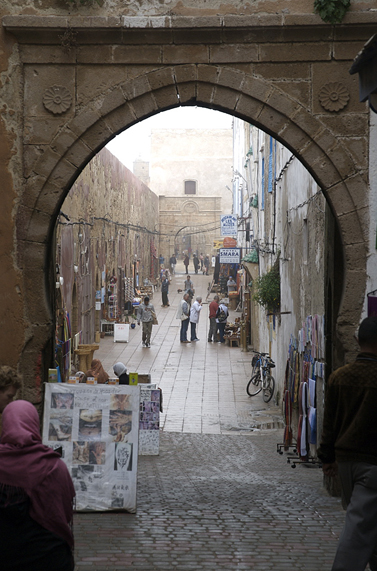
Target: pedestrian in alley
[(349, 448), (206, 265), (196, 263), (186, 261), (194, 317), (145, 314), (183, 313), (120, 370), (213, 307), (36, 497), (231, 285), (10, 382), (161, 260), (221, 318), (201, 260), (188, 286), (165, 290), (173, 263)]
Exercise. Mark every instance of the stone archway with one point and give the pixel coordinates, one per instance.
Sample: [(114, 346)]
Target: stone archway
[(66, 123)]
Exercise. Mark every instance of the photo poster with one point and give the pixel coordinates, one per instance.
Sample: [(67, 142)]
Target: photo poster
[(97, 428), (149, 420)]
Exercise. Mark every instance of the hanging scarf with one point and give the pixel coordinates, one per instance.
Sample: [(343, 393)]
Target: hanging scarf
[(28, 464), (302, 432), (288, 420)]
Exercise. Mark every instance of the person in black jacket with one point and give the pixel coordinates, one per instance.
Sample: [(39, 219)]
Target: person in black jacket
[(349, 448)]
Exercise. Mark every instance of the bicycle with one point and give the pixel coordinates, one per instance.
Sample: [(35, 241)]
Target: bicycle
[(262, 380)]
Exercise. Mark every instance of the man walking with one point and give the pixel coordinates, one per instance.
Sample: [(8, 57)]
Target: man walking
[(186, 261), (194, 317), (173, 263), (213, 307), (349, 448), (165, 290), (183, 314), (145, 315)]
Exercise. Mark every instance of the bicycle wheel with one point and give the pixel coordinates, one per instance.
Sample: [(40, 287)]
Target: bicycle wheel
[(269, 388), (255, 368), (254, 386)]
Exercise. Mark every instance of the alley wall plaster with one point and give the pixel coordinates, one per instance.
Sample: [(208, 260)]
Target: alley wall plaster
[(268, 69)]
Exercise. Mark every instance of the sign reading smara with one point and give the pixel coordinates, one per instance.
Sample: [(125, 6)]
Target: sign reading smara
[(230, 255), (228, 225)]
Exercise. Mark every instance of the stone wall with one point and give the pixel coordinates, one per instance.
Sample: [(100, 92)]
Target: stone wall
[(111, 234)]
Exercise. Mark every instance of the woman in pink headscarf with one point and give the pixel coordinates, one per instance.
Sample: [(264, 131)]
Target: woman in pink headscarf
[(36, 497)]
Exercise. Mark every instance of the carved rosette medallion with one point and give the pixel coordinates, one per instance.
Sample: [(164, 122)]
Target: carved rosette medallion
[(57, 99), (190, 207), (333, 96)]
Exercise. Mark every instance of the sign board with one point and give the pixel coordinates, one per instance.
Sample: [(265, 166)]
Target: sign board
[(230, 242), (228, 224), (230, 255), (121, 332), (149, 422), (97, 427), (98, 306), (133, 378), (218, 244)]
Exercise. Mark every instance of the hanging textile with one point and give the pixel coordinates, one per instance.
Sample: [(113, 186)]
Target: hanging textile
[(288, 420), (302, 434)]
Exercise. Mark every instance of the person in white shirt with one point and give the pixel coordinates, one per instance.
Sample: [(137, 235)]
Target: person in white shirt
[(194, 317)]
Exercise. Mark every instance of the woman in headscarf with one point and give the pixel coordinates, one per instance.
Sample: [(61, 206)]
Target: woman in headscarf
[(36, 497), (96, 370), (121, 371)]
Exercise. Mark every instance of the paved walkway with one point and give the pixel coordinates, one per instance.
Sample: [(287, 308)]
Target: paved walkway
[(203, 384), (218, 497)]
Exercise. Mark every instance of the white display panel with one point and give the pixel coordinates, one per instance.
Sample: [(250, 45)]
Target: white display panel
[(97, 427)]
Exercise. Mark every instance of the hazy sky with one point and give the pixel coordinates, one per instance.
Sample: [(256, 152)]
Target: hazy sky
[(135, 141)]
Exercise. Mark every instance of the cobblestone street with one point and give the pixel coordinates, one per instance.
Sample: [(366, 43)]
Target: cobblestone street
[(218, 496)]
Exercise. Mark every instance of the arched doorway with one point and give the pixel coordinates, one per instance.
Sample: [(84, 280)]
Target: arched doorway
[(217, 75)]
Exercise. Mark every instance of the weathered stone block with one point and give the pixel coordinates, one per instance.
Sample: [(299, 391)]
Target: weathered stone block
[(41, 130), (257, 88), (114, 99), (63, 141), (31, 155), (137, 54), (78, 154), (184, 73), (161, 78), (280, 102), (166, 97), (205, 93), (276, 71), (46, 54), (347, 51), (97, 135), (358, 148), (353, 124), (295, 52), (350, 226), (355, 256), (298, 90), (101, 55), (48, 196), (120, 118), (32, 225), (82, 122), (46, 163), (248, 107), (144, 106), (225, 98), (185, 54), (236, 53), (231, 78), (340, 157), (136, 87), (208, 73), (340, 199), (272, 120), (187, 92), (294, 137), (97, 81), (321, 166)]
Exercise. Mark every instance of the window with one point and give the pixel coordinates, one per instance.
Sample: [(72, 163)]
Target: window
[(190, 186)]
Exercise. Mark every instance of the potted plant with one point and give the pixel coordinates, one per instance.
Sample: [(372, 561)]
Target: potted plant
[(267, 289)]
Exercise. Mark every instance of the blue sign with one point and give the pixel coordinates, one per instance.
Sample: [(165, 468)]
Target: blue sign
[(230, 255)]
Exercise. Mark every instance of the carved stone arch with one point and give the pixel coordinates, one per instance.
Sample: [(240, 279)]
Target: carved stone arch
[(223, 88)]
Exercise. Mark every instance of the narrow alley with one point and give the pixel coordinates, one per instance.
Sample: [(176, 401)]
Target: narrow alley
[(218, 496)]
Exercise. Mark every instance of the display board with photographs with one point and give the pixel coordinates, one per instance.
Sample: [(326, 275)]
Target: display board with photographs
[(149, 420), (96, 427)]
